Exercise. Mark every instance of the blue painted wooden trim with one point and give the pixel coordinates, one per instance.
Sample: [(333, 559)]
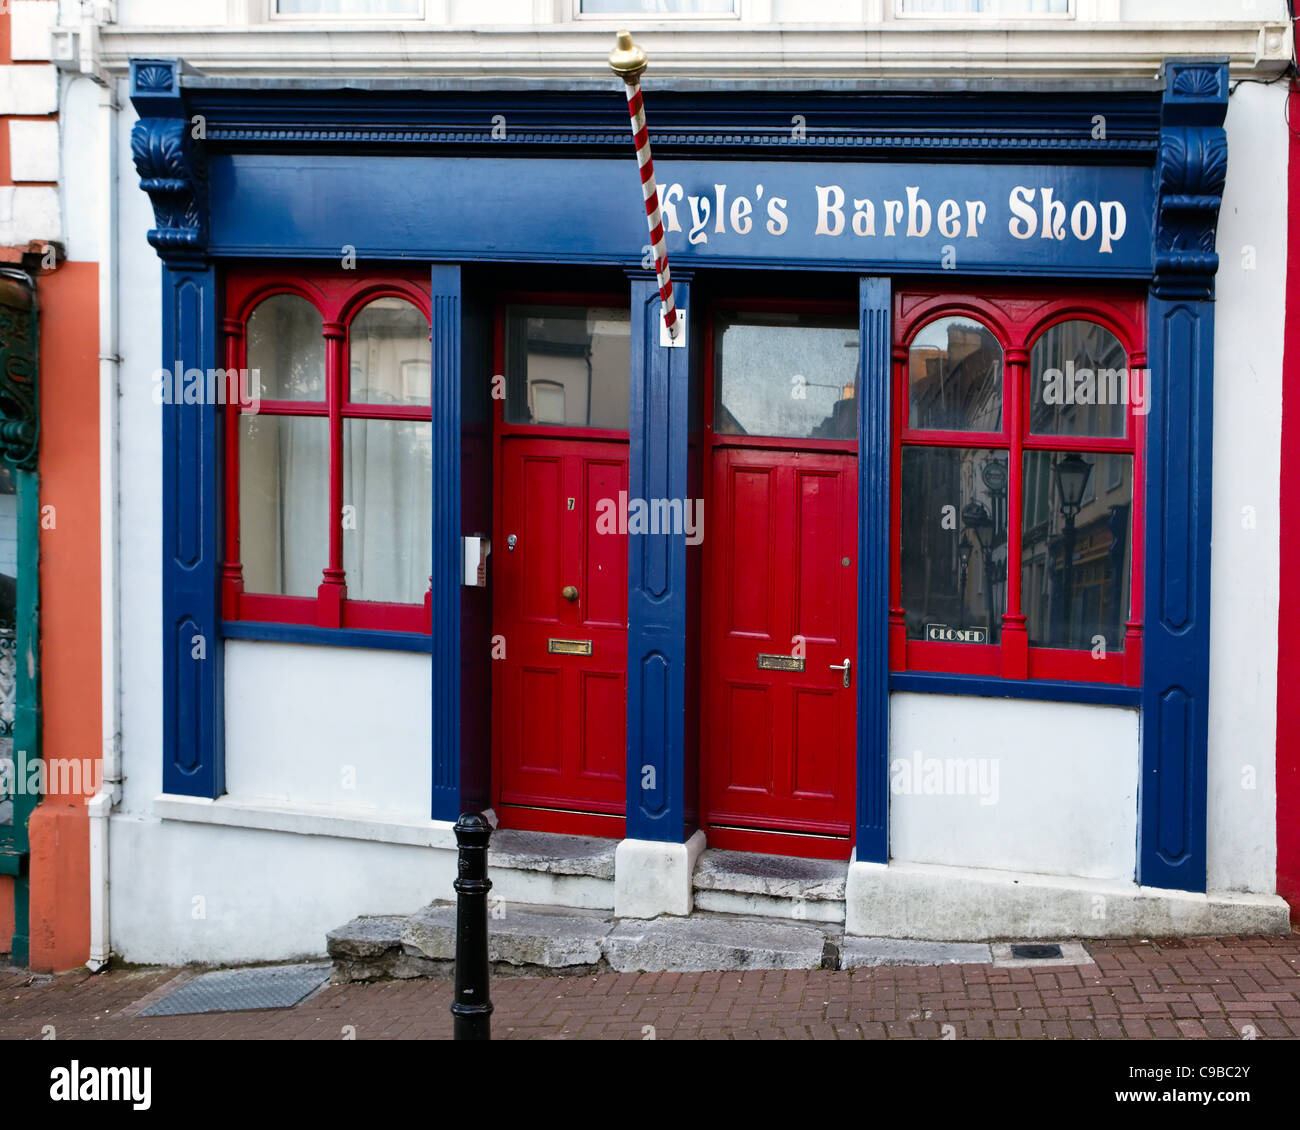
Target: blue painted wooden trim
[(1044, 690), (1180, 347), (193, 704), (1176, 643), (724, 118), (325, 637), (656, 576), (873, 570), (447, 556)]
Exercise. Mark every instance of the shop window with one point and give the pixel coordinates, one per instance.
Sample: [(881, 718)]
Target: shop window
[(329, 453), (788, 375), (1018, 464), (567, 366)]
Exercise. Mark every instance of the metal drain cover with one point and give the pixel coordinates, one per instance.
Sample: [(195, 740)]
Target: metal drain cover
[(236, 990), (1035, 952)]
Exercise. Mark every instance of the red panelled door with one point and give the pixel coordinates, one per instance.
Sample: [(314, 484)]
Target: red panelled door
[(780, 741), (561, 597)]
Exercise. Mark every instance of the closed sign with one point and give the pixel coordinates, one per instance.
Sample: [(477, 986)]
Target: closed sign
[(941, 633)]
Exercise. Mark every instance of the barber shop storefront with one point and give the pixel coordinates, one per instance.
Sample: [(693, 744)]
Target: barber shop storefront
[(897, 558)]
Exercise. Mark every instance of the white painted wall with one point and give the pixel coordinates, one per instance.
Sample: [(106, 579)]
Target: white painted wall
[(1262, 11), (1064, 777), (228, 895), (82, 182), (169, 13), (140, 490), (1249, 320), (330, 726)]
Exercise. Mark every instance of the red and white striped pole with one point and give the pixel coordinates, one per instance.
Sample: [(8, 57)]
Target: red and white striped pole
[(627, 60)]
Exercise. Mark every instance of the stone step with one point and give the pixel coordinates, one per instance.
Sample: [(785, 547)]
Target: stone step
[(566, 941), (551, 853), (547, 869), (770, 886), (560, 941)]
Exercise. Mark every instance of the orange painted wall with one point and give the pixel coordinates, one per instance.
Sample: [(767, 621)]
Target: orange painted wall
[(69, 594)]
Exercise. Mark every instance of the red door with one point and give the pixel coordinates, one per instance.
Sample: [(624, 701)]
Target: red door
[(561, 615), (781, 721)]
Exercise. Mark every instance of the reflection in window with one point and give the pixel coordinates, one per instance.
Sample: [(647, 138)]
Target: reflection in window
[(287, 348), (954, 551), (1076, 549), (1079, 383), (390, 355), (568, 366), (954, 378), (284, 466), (786, 375)]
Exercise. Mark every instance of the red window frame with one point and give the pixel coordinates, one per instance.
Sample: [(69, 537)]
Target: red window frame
[(338, 296), (1016, 318)]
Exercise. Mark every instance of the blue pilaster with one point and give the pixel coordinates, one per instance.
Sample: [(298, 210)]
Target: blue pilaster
[(873, 570), (656, 576), (1176, 642), (193, 699), (445, 325), (172, 171)]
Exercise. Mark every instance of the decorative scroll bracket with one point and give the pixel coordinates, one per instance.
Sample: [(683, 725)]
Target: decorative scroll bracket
[(1190, 172), (166, 145)]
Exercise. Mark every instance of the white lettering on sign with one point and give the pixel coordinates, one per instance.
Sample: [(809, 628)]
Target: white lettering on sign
[(941, 633), (1035, 212)]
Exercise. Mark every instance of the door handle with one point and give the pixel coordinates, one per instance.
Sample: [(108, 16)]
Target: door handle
[(846, 666), (569, 592)]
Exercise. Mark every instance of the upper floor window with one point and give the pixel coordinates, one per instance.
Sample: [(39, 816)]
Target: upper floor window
[(1018, 455), (412, 8), (984, 7), (329, 463), (657, 7)]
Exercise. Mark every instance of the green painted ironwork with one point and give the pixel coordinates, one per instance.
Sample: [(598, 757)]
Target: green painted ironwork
[(19, 627)]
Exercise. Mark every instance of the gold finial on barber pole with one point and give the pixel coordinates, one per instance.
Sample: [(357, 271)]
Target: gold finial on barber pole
[(627, 60)]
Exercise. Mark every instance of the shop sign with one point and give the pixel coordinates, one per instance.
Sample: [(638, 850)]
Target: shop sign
[(942, 633)]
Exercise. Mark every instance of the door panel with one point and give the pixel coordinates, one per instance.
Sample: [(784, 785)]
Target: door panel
[(562, 720), (780, 749)]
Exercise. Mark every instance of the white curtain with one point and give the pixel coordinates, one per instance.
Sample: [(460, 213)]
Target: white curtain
[(388, 490), (284, 503)]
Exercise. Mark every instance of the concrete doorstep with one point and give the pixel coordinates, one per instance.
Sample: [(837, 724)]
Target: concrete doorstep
[(541, 940)]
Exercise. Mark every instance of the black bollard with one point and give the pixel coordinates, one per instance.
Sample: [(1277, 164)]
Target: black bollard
[(471, 1008)]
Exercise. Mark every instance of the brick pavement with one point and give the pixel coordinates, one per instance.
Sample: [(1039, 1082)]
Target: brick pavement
[(1217, 988)]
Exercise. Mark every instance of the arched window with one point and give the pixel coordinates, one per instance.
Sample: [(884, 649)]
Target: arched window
[(329, 456), (1018, 463)]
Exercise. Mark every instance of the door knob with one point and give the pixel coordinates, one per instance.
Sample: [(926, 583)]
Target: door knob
[(845, 667), (569, 592)]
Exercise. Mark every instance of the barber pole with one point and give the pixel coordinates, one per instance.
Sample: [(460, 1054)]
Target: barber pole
[(627, 60)]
